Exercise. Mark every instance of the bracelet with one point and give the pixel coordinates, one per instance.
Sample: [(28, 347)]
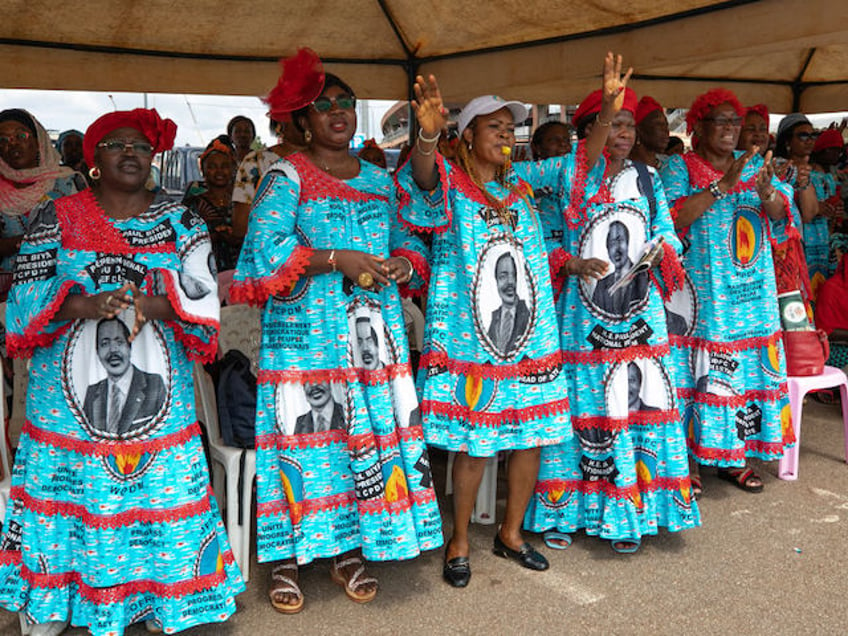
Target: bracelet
[(428, 139), (421, 152), (411, 269), (331, 260), (716, 191), (601, 122)]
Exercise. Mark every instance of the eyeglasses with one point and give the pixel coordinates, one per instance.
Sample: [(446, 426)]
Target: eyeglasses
[(806, 136), (343, 102), (22, 136), (725, 122), (116, 146)]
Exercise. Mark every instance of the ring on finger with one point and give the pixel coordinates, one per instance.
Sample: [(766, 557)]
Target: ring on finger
[(365, 280)]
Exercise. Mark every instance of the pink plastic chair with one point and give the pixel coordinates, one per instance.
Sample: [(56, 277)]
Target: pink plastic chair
[(799, 386)]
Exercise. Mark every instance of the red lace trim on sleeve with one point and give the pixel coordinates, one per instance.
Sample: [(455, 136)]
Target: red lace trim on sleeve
[(34, 336), (204, 351), (421, 267), (405, 199), (556, 261), (671, 271), (575, 213), (257, 291)]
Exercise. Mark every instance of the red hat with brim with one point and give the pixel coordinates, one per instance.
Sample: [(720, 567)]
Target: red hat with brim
[(830, 138), (159, 132)]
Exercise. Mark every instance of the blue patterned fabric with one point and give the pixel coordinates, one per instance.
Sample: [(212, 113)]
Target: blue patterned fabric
[(729, 362), (341, 460), (625, 473), (489, 383), (817, 232), (111, 519)]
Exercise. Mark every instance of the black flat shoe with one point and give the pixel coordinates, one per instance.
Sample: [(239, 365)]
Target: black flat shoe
[(527, 556), (457, 571)]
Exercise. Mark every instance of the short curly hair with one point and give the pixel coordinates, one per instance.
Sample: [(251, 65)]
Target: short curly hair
[(704, 103)]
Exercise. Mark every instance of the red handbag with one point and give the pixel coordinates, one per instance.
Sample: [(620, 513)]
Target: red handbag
[(806, 352)]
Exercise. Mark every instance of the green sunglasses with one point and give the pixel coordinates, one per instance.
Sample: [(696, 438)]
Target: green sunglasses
[(325, 104)]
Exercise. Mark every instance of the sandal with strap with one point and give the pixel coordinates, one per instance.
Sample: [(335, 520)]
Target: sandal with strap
[(556, 540), (697, 485), (741, 478), (356, 582), (626, 546), (282, 584)]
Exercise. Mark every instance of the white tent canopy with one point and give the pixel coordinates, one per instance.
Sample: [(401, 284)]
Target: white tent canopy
[(790, 54)]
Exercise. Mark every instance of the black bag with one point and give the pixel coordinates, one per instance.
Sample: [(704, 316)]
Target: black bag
[(237, 401)]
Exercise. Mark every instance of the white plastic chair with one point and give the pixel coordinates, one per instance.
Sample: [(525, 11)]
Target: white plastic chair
[(241, 330), (485, 512)]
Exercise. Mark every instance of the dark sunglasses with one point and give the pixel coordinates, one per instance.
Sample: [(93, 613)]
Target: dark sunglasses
[(806, 136), (325, 104), (115, 146), (725, 122), (5, 140)]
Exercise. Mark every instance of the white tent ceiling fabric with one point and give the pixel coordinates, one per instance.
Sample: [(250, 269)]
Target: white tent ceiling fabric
[(786, 53)]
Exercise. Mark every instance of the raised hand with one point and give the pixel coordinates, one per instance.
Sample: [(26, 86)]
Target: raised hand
[(734, 172), (764, 177), (428, 107), (613, 85)]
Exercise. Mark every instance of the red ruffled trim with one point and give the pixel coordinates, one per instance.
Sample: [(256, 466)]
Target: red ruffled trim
[(493, 420), (119, 593), (257, 291), (346, 499), (196, 348), (669, 484), (441, 360), (317, 185), (421, 267), (405, 201), (575, 213), (173, 296), (106, 448), (692, 342), (672, 273), (556, 261), (86, 227), (325, 438), (702, 174), (737, 455), (603, 356), (24, 345), (50, 508), (462, 182), (363, 376), (612, 424), (734, 401)]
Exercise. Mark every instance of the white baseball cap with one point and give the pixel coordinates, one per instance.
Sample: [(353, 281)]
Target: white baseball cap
[(486, 105)]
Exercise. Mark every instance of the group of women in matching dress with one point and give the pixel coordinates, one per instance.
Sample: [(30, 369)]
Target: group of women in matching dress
[(607, 324)]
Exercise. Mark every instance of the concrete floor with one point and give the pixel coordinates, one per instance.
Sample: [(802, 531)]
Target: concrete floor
[(771, 563)]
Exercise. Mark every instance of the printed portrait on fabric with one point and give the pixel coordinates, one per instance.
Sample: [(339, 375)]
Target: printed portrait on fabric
[(681, 310), (637, 386), (311, 407), (617, 236), (371, 345), (714, 372), (504, 298), (118, 390)]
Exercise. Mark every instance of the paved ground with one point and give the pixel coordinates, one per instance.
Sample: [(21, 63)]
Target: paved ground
[(773, 563)]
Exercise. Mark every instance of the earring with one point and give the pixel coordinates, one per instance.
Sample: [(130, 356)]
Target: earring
[(94, 173), (307, 136)]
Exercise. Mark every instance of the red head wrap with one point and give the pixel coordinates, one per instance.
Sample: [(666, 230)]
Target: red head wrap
[(592, 105), (830, 138), (646, 106), (703, 105), (759, 109), (301, 81), (159, 132)]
